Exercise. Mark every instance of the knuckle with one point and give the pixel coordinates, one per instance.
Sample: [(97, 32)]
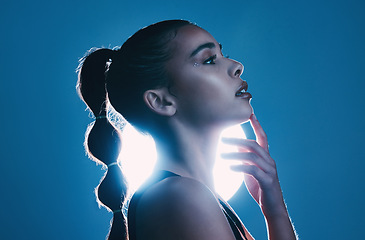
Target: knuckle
[(253, 156), (252, 145), (272, 163), (268, 182), (254, 170)]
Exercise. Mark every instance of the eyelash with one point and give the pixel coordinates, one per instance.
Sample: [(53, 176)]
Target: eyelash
[(211, 60)]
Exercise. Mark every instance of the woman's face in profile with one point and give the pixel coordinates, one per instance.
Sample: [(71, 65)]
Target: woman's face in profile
[(206, 83)]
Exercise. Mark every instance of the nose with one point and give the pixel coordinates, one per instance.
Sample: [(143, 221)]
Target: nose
[(236, 69)]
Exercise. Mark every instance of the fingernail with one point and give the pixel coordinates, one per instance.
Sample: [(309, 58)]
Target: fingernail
[(235, 168), (226, 156)]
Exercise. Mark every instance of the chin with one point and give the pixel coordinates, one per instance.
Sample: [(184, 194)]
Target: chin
[(246, 114), (244, 120), (238, 117), (238, 120)]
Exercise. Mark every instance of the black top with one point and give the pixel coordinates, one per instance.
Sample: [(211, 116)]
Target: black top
[(233, 220)]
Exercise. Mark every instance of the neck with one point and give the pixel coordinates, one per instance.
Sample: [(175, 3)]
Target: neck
[(190, 153)]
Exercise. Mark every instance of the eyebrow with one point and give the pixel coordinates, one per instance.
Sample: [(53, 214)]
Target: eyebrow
[(209, 45)]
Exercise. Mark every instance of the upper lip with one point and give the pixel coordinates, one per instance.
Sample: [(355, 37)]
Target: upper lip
[(243, 86)]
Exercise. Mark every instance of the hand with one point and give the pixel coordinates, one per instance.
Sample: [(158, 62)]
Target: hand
[(261, 177)]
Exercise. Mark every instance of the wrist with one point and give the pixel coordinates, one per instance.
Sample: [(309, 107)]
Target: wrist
[(280, 226), (277, 212)]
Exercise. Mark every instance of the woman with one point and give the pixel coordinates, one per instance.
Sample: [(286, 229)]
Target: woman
[(170, 80)]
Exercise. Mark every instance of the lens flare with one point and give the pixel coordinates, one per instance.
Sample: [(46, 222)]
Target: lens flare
[(226, 181), (138, 158)]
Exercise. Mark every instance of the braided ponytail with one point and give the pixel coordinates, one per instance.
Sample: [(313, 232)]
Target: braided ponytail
[(139, 65), (102, 141)]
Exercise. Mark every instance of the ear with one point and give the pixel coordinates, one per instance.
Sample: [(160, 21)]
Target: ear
[(160, 101)]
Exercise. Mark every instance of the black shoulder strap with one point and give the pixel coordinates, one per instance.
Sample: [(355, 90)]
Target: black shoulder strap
[(234, 222), (132, 208)]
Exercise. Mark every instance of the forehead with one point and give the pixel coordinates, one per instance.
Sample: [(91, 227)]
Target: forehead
[(188, 38)]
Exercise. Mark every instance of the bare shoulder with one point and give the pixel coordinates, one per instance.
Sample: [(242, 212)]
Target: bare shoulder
[(181, 208)]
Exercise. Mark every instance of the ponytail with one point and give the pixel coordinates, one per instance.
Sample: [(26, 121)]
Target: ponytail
[(139, 65), (103, 141)]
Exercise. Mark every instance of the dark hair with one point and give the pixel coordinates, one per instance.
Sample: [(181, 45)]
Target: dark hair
[(120, 77)]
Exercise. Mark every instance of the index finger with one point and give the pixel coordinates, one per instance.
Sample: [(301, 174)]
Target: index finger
[(261, 137)]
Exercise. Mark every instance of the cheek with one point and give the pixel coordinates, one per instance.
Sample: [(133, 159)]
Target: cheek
[(188, 85), (196, 89)]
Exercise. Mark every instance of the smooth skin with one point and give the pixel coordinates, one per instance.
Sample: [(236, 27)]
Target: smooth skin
[(200, 103)]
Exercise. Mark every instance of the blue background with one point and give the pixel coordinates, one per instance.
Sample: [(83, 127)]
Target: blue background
[(304, 62)]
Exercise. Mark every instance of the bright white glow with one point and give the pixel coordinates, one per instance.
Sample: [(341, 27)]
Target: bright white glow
[(138, 158), (226, 181)]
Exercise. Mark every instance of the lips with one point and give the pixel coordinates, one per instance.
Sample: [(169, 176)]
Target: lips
[(242, 91)]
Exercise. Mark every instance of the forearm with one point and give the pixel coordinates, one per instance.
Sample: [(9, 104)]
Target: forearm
[(280, 227)]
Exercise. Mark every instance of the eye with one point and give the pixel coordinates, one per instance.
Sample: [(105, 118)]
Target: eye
[(211, 60)]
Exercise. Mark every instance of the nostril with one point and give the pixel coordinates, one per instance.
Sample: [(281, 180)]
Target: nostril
[(238, 72)]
